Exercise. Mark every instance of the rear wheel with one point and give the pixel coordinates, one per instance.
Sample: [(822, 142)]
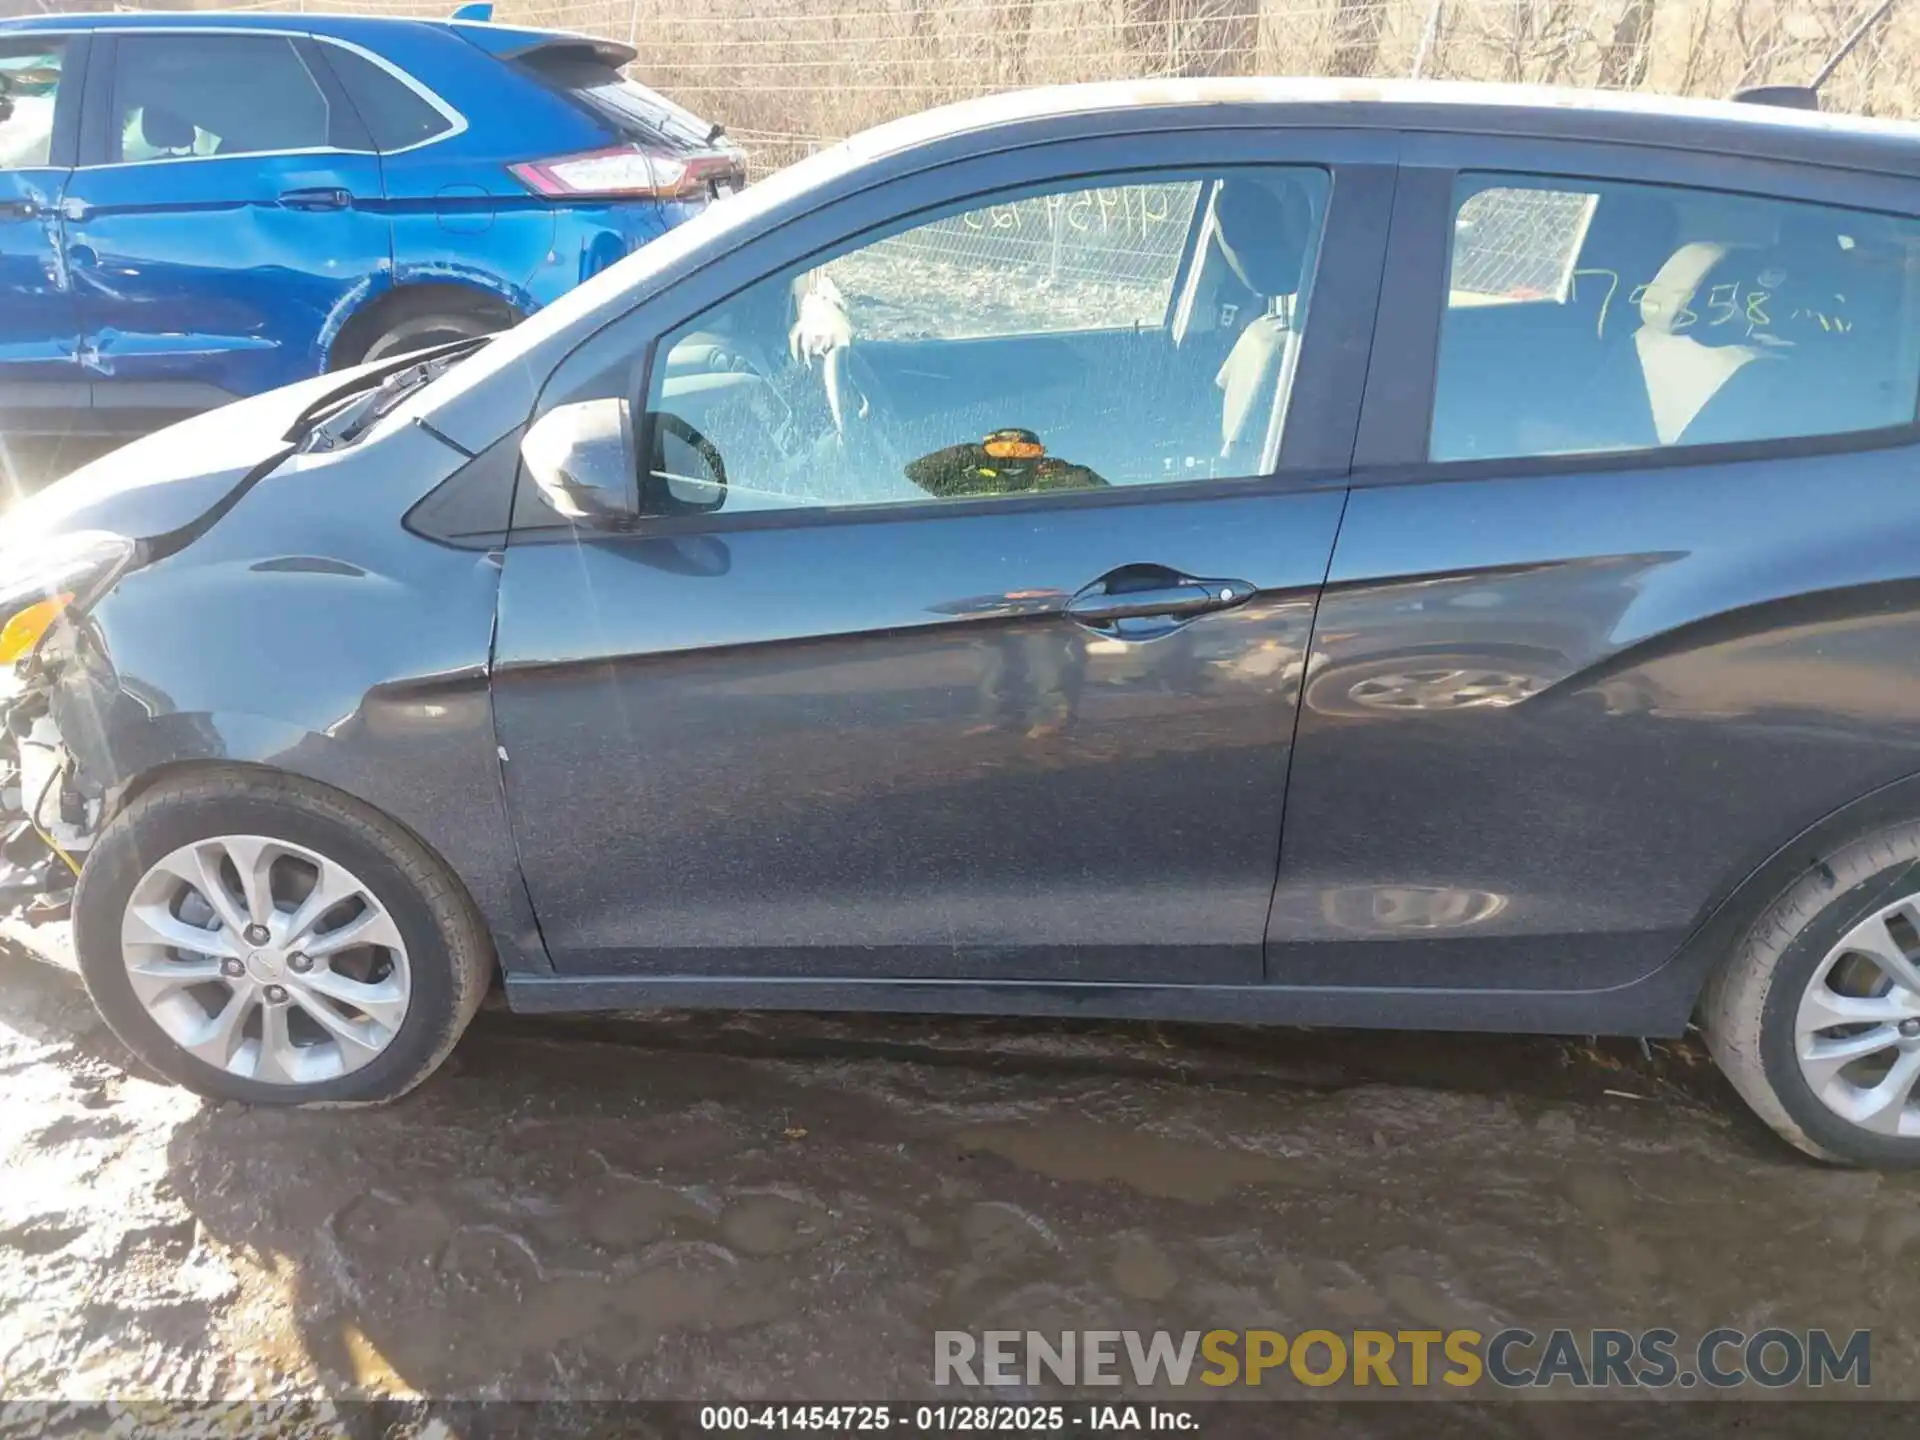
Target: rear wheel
[(417, 318), (1816, 1019), (255, 937), (423, 332)]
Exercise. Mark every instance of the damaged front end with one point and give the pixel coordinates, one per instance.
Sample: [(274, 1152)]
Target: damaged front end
[(47, 818), (46, 825)]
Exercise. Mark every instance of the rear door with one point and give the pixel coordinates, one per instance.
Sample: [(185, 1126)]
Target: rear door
[(996, 687), (229, 213), (41, 382), (1624, 597)]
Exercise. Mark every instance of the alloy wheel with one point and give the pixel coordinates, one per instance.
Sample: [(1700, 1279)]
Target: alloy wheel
[(266, 959), (1857, 1028)]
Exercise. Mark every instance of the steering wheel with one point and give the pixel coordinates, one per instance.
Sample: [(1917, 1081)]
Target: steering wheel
[(851, 388)]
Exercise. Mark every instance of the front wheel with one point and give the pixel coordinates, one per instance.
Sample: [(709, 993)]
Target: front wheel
[(254, 937), (1816, 1019)]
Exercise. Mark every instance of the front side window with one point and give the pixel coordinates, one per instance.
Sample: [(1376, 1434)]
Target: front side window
[(176, 96), (1136, 331), (29, 83), (1590, 316)]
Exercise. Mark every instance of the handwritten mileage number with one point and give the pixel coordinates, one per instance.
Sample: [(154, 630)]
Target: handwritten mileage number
[(1728, 304)]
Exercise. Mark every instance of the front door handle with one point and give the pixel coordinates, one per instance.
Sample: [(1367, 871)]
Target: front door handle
[(1182, 599), (321, 197), (18, 209)]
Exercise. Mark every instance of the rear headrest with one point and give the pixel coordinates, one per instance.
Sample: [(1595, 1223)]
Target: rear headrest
[(1679, 280), (162, 129), (1263, 231), (1813, 277), (1632, 233)]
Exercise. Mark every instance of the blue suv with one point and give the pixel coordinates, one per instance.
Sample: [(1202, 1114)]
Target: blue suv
[(197, 207)]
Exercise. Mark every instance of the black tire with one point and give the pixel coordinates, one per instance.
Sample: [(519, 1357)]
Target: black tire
[(450, 955), (1749, 1008), (422, 332)]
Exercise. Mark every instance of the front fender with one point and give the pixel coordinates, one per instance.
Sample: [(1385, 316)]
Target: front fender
[(310, 632)]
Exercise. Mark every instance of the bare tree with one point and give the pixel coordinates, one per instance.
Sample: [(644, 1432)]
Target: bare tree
[(1229, 39), (1356, 37), (1013, 33), (787, 76), (1212, 37), (1623, 64)]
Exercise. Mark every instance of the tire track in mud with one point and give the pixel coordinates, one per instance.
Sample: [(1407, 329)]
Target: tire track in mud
[(725, 1206)]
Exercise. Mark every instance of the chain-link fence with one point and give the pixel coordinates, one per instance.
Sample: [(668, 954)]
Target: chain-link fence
[(789, 76), (1519, 244), (1103, 258)]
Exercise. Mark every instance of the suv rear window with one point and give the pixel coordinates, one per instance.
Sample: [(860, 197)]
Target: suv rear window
[(630, 107), (395, 113)]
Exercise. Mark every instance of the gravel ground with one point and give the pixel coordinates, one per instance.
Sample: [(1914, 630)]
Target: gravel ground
[(712, 1206)]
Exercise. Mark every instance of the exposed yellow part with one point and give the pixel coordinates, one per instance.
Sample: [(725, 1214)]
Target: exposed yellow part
[(370, 1367), (23, 632), (53, 845), (33, 819)]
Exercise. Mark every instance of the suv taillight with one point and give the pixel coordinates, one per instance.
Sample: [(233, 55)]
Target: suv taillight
[(633, 170)]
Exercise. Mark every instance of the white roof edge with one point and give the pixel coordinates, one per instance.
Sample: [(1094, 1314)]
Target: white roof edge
[(1014, 106)]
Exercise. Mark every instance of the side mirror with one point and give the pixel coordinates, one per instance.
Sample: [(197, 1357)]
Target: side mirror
[(581, 457), (687, 475)]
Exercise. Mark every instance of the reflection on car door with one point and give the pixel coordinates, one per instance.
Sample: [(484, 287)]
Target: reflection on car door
[(1618, 629), (41, 382), (973, 691), (229, 206)]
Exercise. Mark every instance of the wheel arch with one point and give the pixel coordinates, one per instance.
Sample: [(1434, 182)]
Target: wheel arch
[(1716, 938), (124, 751), (192, 767), (355, 328)]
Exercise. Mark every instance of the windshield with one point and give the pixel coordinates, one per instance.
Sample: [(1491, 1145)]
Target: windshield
[(620, 287), (537, 343), (342, 418)]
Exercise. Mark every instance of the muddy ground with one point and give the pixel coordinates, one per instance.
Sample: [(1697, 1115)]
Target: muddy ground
[(716, 1205)]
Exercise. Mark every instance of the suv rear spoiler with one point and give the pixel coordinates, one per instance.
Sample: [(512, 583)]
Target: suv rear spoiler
[(510, 43)]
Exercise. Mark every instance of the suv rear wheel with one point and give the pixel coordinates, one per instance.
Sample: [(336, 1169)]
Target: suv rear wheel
[(417, 318), (422, 332), (1816, 1019), (255, 937)]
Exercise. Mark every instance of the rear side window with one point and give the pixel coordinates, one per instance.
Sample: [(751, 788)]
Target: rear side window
[(176, 96), (30, 72), (396, 114), (633, 110), (1587, 316)]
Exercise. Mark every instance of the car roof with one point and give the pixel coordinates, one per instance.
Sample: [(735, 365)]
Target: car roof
[(502, 40), (1464, 107)]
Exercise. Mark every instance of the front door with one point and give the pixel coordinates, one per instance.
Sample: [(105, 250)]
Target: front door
[(234, 211), (41, 383), (985, 664), (1630, 603)]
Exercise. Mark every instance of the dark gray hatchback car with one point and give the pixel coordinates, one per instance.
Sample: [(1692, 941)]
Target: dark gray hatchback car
[(1244, 551)]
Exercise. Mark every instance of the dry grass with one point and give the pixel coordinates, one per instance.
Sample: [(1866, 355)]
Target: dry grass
[(787, 76)]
